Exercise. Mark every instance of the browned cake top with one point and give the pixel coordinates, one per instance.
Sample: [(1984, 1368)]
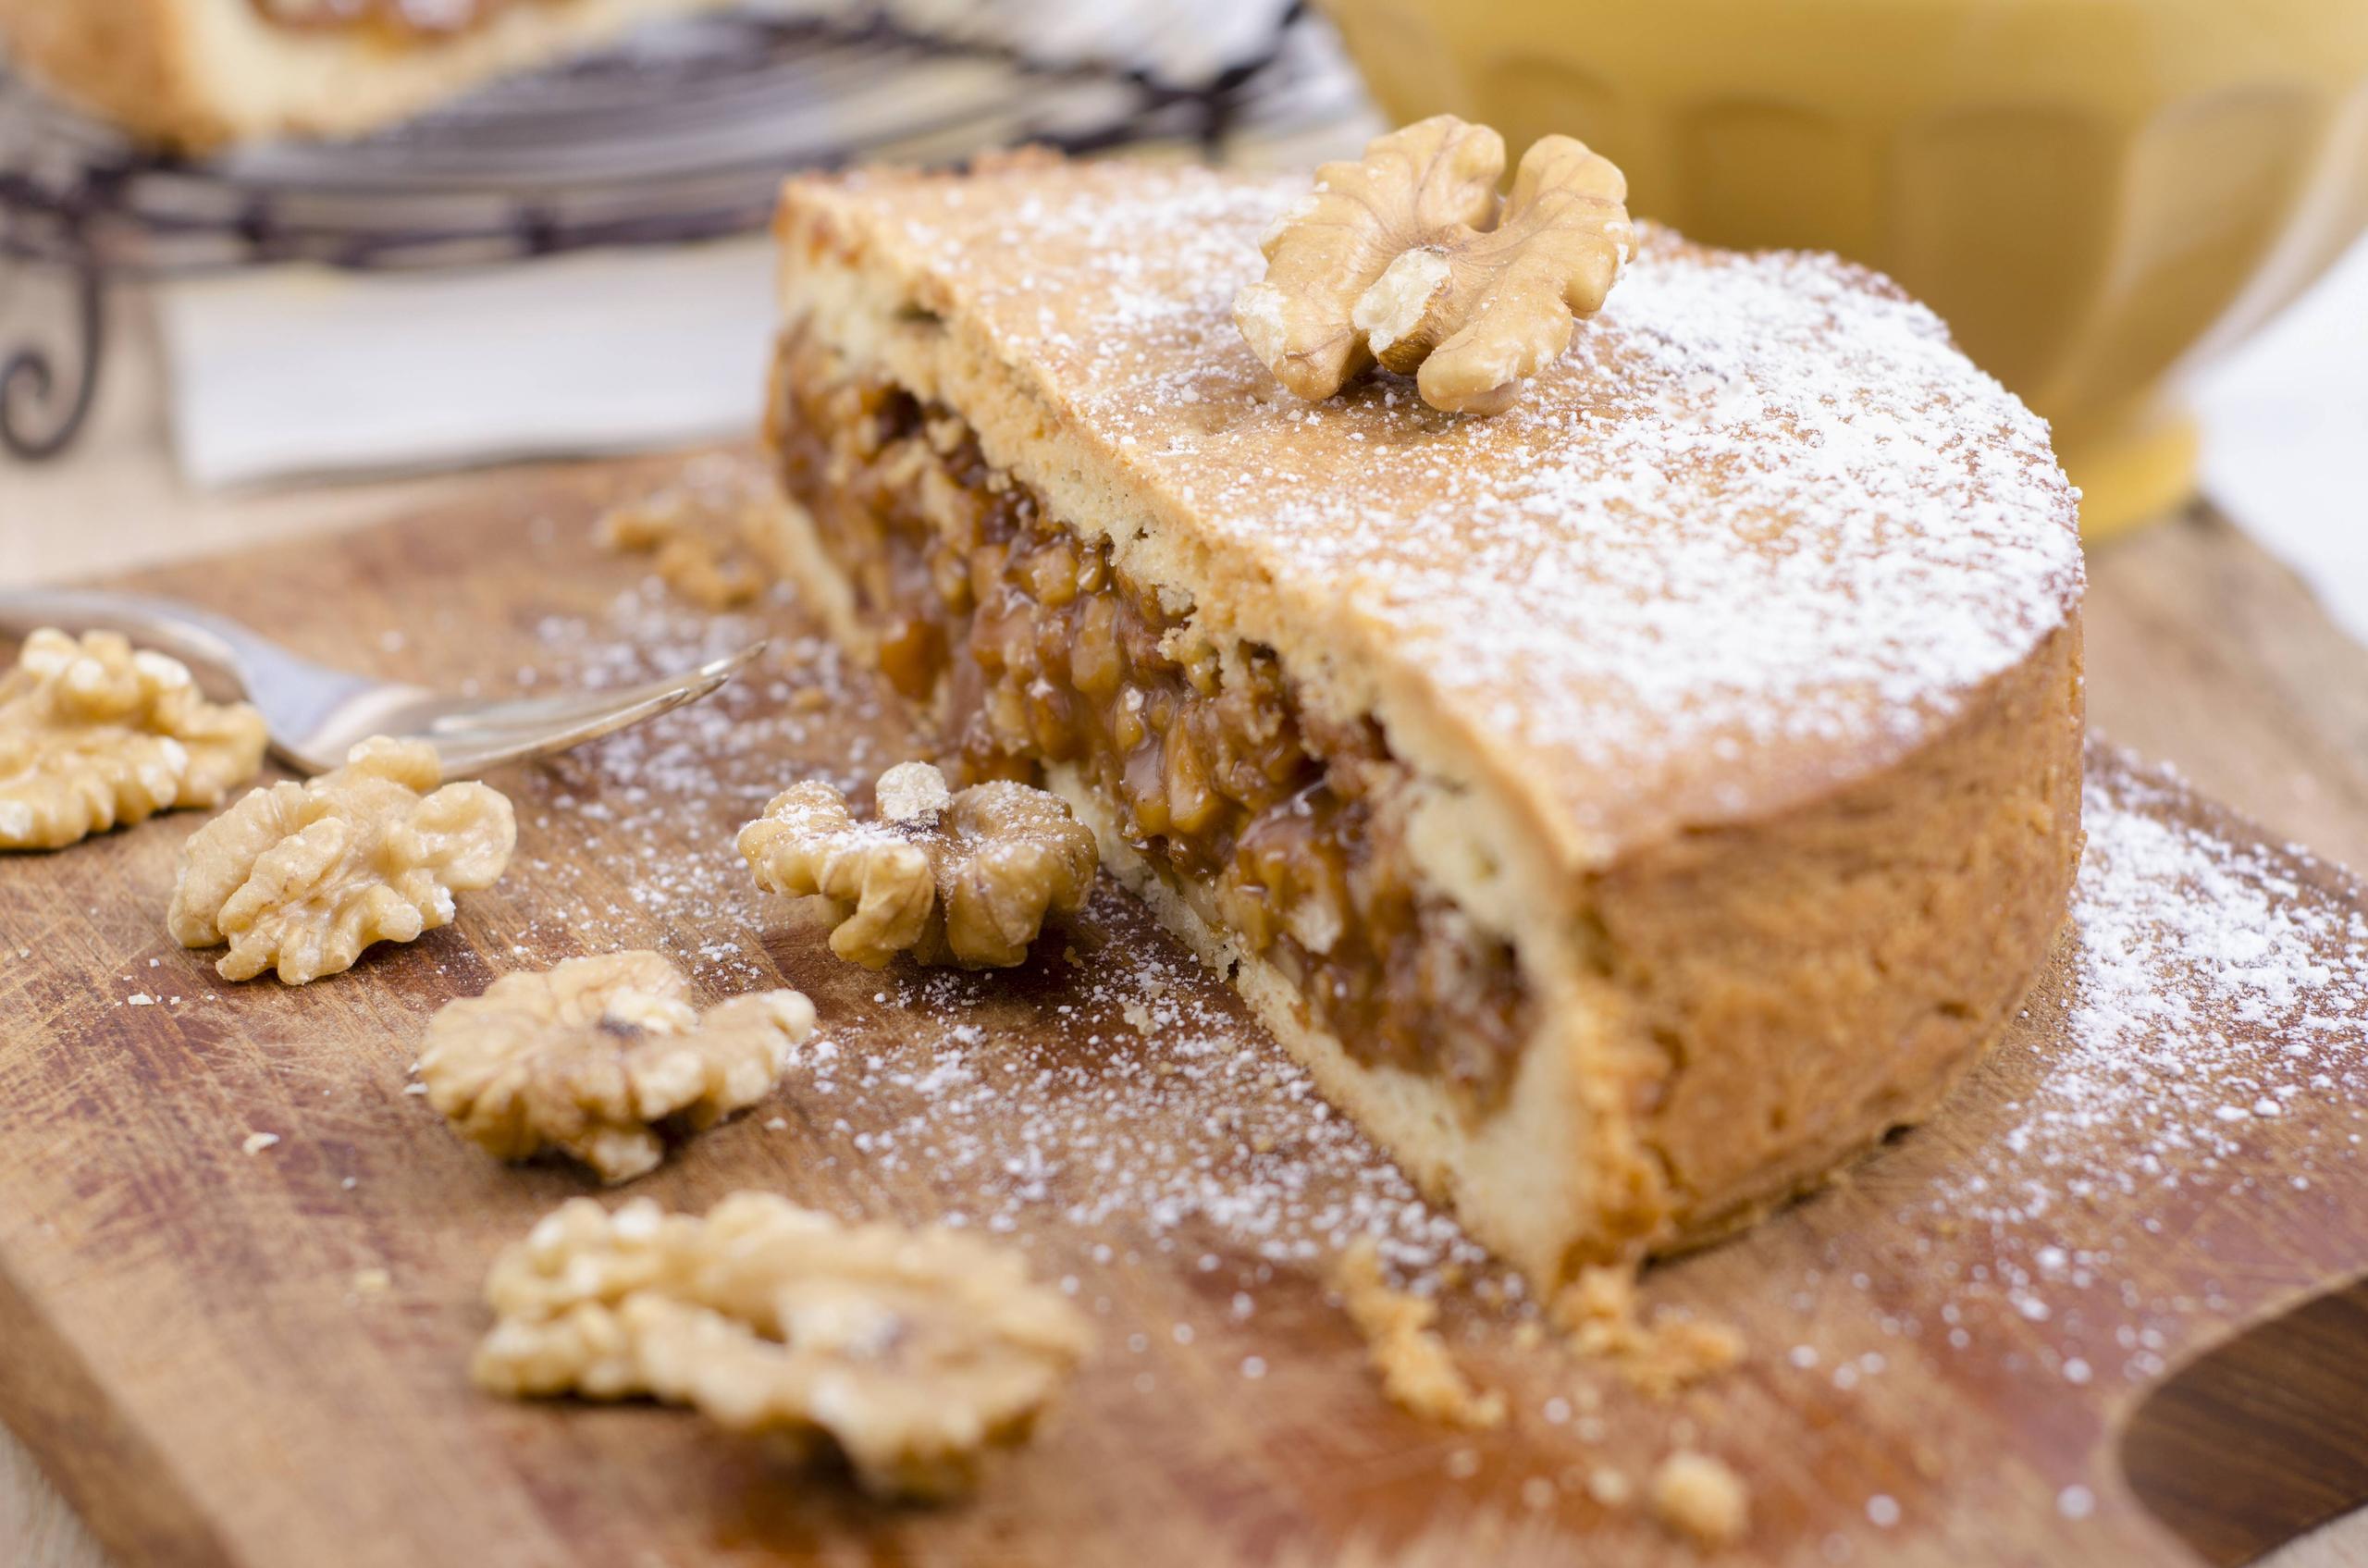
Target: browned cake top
[(1761, 527)]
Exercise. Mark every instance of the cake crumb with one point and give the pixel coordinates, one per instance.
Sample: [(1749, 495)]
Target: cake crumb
[(1701, 1498), (1601, 1316), (1417, 1371), (704, 540), (1609, 1487)]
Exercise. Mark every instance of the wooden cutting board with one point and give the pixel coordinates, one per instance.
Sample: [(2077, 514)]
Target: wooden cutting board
[(1989, 1344)]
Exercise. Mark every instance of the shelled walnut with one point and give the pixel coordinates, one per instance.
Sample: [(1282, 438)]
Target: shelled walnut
[(601, 1057), (94, 735), (965, 879), (914, 1351), (1408, 258), (304, 877)]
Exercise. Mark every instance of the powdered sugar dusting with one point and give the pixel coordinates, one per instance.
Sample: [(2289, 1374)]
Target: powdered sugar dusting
[(1779, 443), (1135, 1101), (1123, 1093), (2212, 991)]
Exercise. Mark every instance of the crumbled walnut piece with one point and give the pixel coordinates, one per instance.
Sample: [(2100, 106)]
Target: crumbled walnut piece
[(708, 542), (1417, 1372), (304, 877), (601, 1057), (915, 1352), (966, 878), (1406, 257), (1599, 1313), (93, 734), (1701, 1498)]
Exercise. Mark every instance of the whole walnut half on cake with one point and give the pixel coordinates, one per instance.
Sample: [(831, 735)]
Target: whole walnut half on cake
[(1408, 258)]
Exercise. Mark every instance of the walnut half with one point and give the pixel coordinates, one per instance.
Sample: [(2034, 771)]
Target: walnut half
[(915, 1352), (967, 879), (600, 1057), (93, 734), (304, 877), (1407, 257)]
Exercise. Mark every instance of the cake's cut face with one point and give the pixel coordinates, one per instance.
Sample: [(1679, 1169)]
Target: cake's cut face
[(1627, 806)]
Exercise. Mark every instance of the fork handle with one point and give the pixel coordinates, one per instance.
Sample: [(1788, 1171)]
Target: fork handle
[(189, 633)]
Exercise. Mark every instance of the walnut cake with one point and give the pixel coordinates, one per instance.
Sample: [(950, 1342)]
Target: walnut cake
[(197, 74), (1627, 806)]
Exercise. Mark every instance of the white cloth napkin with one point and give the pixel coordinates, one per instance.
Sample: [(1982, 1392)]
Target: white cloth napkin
[(301, 371), (2285, 437)]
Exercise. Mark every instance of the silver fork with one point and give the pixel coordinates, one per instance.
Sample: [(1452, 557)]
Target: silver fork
[(317, 713)]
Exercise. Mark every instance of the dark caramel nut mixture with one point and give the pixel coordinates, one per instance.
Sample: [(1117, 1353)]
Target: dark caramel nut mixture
[(1042, 651)]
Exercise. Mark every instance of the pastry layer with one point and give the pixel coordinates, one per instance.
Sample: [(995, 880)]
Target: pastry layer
[(197, 74), (1740, 742)]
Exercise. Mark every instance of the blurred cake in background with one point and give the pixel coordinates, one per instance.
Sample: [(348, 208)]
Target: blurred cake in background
[(197, 74)]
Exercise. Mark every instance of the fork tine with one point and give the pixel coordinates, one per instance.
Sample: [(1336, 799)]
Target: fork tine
[(493, 748), (486, 723)]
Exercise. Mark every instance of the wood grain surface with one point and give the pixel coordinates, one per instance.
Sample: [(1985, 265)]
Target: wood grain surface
[(196, 1350)]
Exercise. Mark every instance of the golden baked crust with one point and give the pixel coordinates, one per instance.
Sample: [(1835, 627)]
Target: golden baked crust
[(1737, 667), (197, 74)]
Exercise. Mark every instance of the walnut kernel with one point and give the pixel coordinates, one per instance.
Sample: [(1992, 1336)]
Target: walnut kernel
[(600, 1057), (301, 878), (915, 1352), (1407, 257), (93, 734), (965, 878)]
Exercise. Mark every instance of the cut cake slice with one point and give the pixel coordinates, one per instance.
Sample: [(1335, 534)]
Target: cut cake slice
[(1626, 807)]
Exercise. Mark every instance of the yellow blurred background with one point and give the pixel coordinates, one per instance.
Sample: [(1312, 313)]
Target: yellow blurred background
[(2095, 194)]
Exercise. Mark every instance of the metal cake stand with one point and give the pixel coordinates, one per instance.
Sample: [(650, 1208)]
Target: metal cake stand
[(683, 135)]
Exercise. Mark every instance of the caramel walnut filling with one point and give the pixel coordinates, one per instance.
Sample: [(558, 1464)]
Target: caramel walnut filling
[(1284, 828)]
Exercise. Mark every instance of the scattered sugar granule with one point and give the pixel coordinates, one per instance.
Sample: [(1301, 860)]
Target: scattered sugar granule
[(256, 1142), (1701, 1498), (140, 999)]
